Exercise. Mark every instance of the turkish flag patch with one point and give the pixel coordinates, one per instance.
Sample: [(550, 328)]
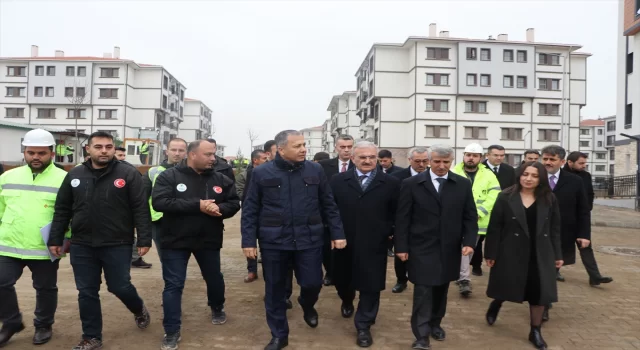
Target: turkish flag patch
[(119, 183), (217, 189)]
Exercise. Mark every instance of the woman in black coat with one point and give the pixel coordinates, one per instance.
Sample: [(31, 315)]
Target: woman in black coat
[(523, 247)]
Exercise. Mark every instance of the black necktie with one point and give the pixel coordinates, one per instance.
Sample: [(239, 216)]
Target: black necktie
[(441, 181), (495, 169)]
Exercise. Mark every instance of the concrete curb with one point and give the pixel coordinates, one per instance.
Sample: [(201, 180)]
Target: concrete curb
[(615, 224)]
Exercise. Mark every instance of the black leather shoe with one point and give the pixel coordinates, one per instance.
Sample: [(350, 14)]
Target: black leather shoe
[(327, 281), (364, 339), (347, 310), (310, 315), (476, 271), (559, 277), (437, 333), (6, 334), (277, 344), (399, 288), (390, 253), (422, 344), (42, 335), (535, 337), (599, 280), (492, 313), (289, 304)]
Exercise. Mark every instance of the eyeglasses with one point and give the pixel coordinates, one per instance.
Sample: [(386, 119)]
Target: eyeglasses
[(421, 161)]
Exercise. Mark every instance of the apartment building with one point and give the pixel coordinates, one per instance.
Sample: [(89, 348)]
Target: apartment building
[(197, 121), (328, 144), (313, 139), (109, 93), (593, 143), (343, 117), (628, 87), (442, 89)]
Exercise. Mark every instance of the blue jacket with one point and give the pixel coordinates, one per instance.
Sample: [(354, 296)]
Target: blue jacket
[(288, 205)]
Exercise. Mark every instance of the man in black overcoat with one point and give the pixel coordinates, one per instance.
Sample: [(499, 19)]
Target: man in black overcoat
[(436, 217), (366, 198)]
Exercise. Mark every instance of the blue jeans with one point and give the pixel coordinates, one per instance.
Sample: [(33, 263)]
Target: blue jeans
[(174, 273), (88, 264)]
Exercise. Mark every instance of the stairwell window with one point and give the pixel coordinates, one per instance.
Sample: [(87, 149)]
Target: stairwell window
[(436, 131)]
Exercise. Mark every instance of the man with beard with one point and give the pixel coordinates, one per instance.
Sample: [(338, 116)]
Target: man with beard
[(27, 195), (270, 149), (485, 187), (220, 165), (105, 202), (366, 198), (194, 200)]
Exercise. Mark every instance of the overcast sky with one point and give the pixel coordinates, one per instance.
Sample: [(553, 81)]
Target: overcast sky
[(275, 65)]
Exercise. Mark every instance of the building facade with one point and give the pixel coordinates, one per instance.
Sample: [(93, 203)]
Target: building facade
[(628, 87), (343, 117), (197, 121), (455, 91), (328, 144), (313, 139), (593, 142)]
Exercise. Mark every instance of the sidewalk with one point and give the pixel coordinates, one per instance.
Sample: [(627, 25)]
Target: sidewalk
[(615, 217)]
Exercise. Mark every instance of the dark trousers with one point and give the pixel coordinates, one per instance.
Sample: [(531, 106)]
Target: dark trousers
[(429, 308), (252, 265), (589, 261), (400, 267), (174, 273), (44, 275), (327, 254), (70, 157), (369, 303), (88, 264), (476, 259), (307, 265)]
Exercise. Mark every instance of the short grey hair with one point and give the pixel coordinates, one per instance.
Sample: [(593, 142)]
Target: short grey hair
[(418, 150), (364, 144), (283, 136), (345, 137), (441, 151)]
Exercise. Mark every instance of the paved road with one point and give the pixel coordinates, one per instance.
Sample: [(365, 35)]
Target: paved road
[(585, 317)]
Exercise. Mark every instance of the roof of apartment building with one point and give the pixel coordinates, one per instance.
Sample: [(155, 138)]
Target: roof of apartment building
[(592, 122), (336, 98), (313, 128)]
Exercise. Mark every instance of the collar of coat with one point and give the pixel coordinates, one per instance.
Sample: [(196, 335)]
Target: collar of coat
[(287, 165)]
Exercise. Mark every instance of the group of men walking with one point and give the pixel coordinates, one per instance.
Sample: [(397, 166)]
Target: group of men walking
[(342, 213)]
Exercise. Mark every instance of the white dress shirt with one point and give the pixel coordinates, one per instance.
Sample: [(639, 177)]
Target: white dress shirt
[(413, 172), (341, 162), (359, 173), (435, 182), (557, 174), (495, 168)]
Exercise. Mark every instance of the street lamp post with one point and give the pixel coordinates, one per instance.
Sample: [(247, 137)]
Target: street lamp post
[(637, 139)]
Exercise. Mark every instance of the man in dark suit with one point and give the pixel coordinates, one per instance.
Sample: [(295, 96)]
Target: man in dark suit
[(386, 162), (436, 216), (577, 164), (506, 175), (418, 163), (333, 166), (366, 198)]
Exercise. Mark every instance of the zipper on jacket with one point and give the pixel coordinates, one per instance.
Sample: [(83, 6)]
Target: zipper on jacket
[(293, 227)]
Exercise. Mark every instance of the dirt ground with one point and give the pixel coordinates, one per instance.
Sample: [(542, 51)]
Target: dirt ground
[(585, 318)]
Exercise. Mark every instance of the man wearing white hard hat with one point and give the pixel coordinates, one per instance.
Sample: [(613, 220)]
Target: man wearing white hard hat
[(485, 187), (27, 198)]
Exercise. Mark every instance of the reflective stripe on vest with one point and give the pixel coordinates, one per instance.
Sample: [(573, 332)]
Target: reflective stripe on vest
[(26, 252), (33, 188), (153, 175)]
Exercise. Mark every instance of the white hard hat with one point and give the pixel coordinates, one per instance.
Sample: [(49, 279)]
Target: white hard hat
[(474, 148), (38, 138)]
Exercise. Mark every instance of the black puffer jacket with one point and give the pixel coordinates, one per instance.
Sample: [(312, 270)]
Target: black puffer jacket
[(222, 166), (177, 194), (105, 207)]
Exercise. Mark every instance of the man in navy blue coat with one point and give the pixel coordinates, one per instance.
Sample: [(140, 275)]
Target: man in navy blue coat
[(287, 206)]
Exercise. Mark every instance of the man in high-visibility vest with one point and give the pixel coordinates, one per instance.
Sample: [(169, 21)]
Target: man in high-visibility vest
[(144, 152), (485, 187), (27, 198), (176, 152), (61, 152)]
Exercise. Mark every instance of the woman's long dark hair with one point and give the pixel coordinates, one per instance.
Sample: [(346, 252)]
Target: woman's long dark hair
[(543, 190)]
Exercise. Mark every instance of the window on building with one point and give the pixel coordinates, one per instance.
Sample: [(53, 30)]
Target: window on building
[(599, 143), (39, 70), (584, 143), (71, 71), (108, 114), (611, 168), (51, 70), (46, 113), (164, 101), (49, 91), (76, 113), (600, 168), (38, 91), (549, 59), (438, 79), (611, 126), (600, 131), (512, 134), (16, 71), (548, 109), (628, 113), (630, 63), (80, 91), (472, 79), (521, 82), (585, 132), (475, 106), (485, 54), (181, 95), (437, 53), (109, 72), (548, 135), (475, 132), (181, 112), (522, 56), (68, 92), (108, 93), (437, 105), (485, 80), (14, 112), (436, 131), (82, 71), (472, 53), (612, 154), (165, 82), (611, 140), (513, 159), (15, 91), (507, 81), (549, 84), (601, 155), (512, 107), (507, 55)]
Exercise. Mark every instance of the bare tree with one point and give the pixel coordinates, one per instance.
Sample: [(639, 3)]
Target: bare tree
[(79, 100), (253, 136)]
